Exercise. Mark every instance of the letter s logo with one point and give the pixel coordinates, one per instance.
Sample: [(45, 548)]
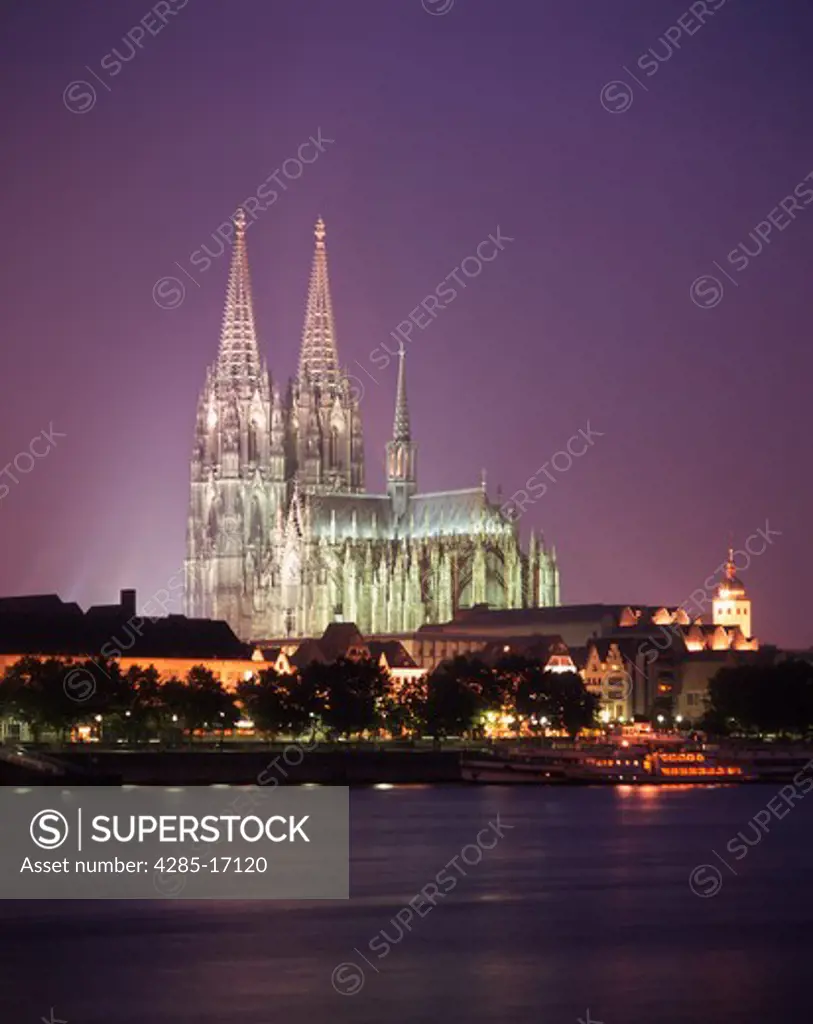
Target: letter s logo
[(49, 829)]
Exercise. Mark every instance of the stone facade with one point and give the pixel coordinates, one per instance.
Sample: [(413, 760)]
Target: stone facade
[(283, 538)]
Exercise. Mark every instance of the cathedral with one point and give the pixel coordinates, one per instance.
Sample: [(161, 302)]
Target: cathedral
[(282, 536)]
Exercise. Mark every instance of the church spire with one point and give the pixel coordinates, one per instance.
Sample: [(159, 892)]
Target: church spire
[(731, 605), (238, 359), (401, 450), (400, 427), (318, 359), (730, 568)]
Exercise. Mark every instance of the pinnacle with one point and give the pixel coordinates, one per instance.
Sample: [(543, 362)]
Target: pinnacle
[(238, 356), (318, 359), (401, 429)]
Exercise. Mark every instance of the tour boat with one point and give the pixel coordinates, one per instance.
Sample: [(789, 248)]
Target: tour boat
[(513, 768), (662, 767), (613, 765)]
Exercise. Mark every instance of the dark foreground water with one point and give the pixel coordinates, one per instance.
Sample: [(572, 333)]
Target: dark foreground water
[(585, 903)]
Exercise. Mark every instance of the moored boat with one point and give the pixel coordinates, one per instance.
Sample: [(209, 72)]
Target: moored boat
[(512, 768), (622, 765), (662, 767)]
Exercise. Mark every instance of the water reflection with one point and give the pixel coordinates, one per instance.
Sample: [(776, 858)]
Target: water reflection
[(584, 903)]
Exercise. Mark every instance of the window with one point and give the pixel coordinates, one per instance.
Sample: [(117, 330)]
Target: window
[(334, 447)]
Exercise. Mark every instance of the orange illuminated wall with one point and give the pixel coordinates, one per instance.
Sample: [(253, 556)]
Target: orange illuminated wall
[(229, 671), (732, 609)]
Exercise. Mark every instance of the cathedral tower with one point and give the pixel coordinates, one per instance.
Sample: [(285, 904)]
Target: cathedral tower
[(237, 470), (326, 450)]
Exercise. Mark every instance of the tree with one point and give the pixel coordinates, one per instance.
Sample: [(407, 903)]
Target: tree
[(571, 705), (26, 694), (457, 697), (759, 699), (527, 689), (200, 702), (109, 696), (277, 703), (174, 703), (142, 716), (55, 696), (495, 689), (349, 692), (405, 707)]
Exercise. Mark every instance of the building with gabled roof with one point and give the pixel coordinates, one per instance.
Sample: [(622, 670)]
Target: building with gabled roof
[(47, 627), (343, 640)]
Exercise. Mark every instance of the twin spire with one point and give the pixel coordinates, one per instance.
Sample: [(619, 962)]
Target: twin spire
[(238, 358), (318, 359)]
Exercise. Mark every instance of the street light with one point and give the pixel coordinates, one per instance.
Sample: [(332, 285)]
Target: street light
[(661, 719)]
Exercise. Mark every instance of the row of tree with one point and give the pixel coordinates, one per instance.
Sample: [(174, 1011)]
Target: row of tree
[(354, 697), (762, 700), (345, 698), (55, 697)]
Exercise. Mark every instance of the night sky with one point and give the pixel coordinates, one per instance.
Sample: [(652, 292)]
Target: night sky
[(446, 123)]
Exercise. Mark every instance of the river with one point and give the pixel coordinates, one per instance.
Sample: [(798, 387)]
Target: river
[(572, 901)]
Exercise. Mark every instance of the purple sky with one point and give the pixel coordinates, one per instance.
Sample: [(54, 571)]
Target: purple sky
[(444, 127)]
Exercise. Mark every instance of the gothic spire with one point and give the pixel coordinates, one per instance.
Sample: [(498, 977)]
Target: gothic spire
[(400, 427), (401, 450), (238, 359), (318, 359)]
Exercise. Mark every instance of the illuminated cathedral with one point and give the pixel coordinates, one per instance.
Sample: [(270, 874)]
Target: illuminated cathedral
[(282, 536)]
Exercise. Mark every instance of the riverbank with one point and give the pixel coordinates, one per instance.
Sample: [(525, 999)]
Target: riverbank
[(292, 764), (287, 765)]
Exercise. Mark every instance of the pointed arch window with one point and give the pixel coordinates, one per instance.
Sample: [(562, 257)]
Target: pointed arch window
[(334, 447), (254, 438), (256, 527)]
